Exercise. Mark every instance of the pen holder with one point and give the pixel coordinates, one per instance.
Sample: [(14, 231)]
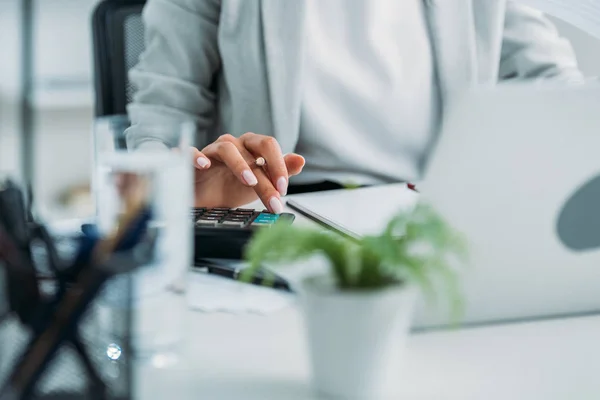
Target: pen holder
[(50, 341), (66, 375)]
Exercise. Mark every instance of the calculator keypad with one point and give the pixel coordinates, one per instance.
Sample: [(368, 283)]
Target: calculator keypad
[(226, 217)]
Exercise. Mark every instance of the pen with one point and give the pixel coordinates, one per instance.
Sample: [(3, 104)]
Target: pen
[(233, 272)]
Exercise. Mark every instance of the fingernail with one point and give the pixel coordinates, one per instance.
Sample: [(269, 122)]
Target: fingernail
[(276, 205), (282, 186), (202, 162), (249, 177)]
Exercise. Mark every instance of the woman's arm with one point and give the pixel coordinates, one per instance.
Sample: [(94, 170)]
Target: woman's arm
[(175, 74), (533, 49)]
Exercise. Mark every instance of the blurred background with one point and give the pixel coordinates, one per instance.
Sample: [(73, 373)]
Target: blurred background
[(45, 52)]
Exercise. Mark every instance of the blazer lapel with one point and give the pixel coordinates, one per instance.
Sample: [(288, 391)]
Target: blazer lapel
[(454, 42), (282, 24)]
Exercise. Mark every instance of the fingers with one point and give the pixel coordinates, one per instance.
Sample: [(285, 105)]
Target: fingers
[(294, 163), (264, 187), (268, 148), (267, 193), (269, 182), (200, 160), (228, 153)]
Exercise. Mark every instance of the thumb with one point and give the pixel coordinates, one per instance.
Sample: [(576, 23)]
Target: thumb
[(294, 163)]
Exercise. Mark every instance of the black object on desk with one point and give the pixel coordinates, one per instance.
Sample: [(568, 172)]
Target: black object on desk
[(232, 270), (48, 321), (223, 233)]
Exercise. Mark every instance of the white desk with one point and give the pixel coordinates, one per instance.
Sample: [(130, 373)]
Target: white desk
[(253, 357), (250, 357)]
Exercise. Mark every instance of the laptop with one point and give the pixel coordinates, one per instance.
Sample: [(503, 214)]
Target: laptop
[(355, 213), (516, 168)]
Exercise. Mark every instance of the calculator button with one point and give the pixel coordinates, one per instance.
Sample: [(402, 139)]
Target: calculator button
[(233, 223), (269, 223), (236, 217), (267, 217), (245, 214), (263, 221), (262, 224), (206, 223), (208, 218), (236, 220), (239, 216), (245, 210), (221, 209)]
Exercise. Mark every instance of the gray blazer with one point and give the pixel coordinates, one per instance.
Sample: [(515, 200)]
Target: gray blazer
[(233, 66)]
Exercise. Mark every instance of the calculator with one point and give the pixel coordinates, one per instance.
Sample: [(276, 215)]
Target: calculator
[(224, 232)]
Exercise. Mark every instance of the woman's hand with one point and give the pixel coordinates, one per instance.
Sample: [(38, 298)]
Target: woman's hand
[(226, 174)]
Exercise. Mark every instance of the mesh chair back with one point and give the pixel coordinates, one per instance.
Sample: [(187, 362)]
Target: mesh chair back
[(118, 34), (134, 46)]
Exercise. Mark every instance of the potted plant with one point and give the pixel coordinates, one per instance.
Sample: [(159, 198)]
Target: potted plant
[(358, 316)]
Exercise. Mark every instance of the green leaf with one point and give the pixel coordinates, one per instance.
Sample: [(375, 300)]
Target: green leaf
[(286, 243), (415, 248)]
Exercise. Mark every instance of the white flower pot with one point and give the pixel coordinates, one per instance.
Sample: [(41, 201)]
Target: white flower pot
[(357, 339)]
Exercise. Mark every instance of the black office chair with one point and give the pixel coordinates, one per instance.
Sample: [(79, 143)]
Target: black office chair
[(118, 41)]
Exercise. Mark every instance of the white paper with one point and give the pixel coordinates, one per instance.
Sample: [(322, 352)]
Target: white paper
[(212, 293), (584, 14)]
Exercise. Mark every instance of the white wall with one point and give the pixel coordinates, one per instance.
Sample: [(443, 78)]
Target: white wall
[(63, 153), (64, 70), (63, 38), (9, 85)]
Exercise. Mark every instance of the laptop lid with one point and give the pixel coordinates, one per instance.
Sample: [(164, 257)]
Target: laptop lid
[(517, 169)]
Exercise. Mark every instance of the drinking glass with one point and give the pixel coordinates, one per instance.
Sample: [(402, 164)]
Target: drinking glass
[(160, 176)]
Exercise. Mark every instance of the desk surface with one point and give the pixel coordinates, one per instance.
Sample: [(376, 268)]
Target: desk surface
[(252, 357)]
